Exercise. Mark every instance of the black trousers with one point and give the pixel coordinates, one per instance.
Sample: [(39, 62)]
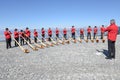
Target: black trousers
[(21, 41), (88, 35), (8, 43), (111, 49), (94, 36), (73, 35), (65, 36), (81, 36), (35, 39), (102, 35), (57, 35), (28, 39), (17, 39), (49, 37), (43, 36)]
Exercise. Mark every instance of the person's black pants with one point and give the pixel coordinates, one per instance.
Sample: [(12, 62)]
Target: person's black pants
[(49, 37), (81, 36), (21, 41), (28, 39), (94, 36), (73, 35), (65, 36), (35, 39), (8, 43), (43, 36), (57, 35), (88, 35), (102, 35), (17, 39), (111, 49)]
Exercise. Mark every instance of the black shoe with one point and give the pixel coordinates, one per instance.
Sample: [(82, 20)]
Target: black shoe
[(108, 58), (113, 57)]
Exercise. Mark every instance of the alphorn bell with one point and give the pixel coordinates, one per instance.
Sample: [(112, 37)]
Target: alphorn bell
[(34, 48), (97, 40), (24, 50), (103, 40)]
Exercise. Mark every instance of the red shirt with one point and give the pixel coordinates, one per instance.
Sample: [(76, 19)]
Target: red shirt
[(7, 34), (89, 30), (21, 34), (43, 32), (16, 34), (49, 32), (35, 34), (57, 31), (73, 30), (95, 30), (81, 31), (112, 32), (102, 29), (64, 31), (27, 32)]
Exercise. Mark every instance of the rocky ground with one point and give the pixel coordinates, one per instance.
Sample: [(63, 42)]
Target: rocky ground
[(80, 61)]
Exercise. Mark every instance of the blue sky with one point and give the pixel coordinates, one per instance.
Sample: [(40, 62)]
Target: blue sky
[(58, 13)]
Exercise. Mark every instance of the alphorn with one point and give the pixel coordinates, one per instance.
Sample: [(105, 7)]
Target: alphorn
[(58, 40), (97, 40), (86, 40), (78, 38), (23, 49), (37, 45), (64, 40), (103, 40), (48, 43), (31, 46), (92, 40), (42, 42), (61, 42), (53, 41)]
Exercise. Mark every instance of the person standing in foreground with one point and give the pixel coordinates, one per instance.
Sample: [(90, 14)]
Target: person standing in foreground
[(27, 34), (16, 37), (81, 33), (112, 36), (95, 31), (89, 32), (49, 33), (21, 33), (35, 35), (43, 34), (73, 32), (65, 33), (7, 34), (102, 29), (57, 32)]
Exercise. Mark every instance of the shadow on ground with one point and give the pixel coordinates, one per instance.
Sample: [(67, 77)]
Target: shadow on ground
[(104, 51)]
